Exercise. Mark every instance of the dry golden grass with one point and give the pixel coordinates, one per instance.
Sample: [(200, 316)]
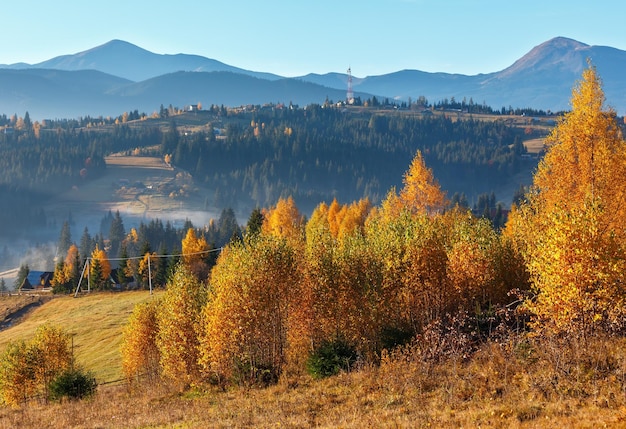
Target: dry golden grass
[(95, 322), (500, 386), (516, 383)]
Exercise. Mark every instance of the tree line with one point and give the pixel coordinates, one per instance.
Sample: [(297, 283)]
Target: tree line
[(319, 153), (130, 252), (253, 157)]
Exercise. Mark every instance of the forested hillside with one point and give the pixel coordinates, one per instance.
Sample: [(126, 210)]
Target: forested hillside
[(246, 158), (37, 163), (317, 154)]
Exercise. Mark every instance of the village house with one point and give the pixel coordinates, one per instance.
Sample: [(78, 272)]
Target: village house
[(37, 281)]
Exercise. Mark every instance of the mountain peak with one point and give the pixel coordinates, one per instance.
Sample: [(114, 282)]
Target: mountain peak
[(562, 43), (116, 46), (560, 53)]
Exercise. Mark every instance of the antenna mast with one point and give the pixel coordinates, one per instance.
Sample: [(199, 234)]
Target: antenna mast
[(350, 94)]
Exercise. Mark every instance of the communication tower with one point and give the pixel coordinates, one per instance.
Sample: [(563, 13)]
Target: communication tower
[(350, 94)]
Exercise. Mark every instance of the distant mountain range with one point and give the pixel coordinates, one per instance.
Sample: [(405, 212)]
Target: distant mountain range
[(119, 76)]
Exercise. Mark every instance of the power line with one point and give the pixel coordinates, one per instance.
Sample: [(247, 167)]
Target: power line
[(162, 256), (86, 267)]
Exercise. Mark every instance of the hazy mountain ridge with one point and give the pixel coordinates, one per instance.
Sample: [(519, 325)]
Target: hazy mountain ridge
[(541, 79), (58, 94), (120, 58), (126, 77)]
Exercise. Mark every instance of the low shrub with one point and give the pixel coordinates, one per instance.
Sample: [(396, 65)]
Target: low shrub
[(72, 384), (330, 358)]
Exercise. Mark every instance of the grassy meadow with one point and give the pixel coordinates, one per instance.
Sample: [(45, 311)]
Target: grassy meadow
[(94, 321)]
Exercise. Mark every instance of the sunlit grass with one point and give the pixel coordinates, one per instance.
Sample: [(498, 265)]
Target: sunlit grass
[(398, 394)]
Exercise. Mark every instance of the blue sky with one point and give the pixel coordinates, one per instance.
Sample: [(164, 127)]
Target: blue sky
[(295, 37)]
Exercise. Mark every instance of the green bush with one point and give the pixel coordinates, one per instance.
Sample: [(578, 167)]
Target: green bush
[(330, 358), (72, 384)]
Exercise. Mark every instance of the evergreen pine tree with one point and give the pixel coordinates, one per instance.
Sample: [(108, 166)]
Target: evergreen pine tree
[(21, 276), (65, 239), (116, 233)]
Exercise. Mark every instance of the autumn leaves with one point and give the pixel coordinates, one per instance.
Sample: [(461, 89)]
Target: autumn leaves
[(571, 231), (355, 272)]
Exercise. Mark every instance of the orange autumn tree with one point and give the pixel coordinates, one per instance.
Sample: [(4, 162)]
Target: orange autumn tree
[(421, 192), (147, 268), (571, 228), (344, 219), (100, 268), (284, 220), (67, 272)]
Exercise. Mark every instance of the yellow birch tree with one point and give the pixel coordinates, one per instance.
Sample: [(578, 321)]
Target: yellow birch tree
[(249, 312), (140, 354), (179, 326), (285, 220), (195, 253), (571, 230)]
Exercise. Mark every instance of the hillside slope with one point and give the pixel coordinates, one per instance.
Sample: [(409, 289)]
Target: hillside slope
[(95, 322)]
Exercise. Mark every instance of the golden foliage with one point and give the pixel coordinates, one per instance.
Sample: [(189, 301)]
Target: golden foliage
[(140, 354), (421, 192), (102, 259), (586, 158), (426, 293), (284, 220), (344, 219), (195, 252), (247, 319), (579, 273), (17, 382), (147, 267), (571, 230), (71, 259), (179, 323), (27, 368), (52, 346)]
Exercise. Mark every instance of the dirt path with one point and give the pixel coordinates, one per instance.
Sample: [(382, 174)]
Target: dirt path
[(16, 315)]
